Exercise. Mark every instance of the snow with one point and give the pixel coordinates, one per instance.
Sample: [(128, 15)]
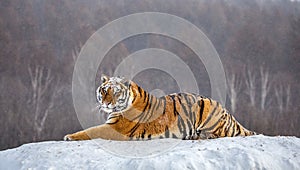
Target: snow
[(255, 152)]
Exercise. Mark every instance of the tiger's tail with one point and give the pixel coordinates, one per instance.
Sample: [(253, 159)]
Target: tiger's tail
[(249, 133)]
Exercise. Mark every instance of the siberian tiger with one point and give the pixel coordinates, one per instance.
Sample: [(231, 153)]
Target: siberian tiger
[(135, 114)]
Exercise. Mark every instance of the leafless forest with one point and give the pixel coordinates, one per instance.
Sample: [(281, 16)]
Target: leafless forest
[(258, 43)]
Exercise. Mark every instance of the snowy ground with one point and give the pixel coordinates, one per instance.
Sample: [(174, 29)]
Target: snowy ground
[(255, 152)]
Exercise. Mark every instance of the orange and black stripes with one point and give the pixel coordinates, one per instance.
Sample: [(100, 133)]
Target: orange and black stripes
[(183, 115)]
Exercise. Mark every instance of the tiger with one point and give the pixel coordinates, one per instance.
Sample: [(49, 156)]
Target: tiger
[(135, 114)]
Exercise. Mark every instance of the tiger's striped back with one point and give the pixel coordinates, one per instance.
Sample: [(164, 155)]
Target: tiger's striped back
[(201, 117)]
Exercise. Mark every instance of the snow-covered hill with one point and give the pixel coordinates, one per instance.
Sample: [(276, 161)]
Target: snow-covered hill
[(255, 152)]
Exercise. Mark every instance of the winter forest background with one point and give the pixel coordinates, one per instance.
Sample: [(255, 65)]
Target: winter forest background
[(258, 43)]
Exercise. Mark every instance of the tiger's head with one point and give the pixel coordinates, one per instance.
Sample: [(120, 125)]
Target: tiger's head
[(113, 94)]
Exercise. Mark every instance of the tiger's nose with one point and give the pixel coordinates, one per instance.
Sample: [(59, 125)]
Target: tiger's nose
[(106, 103)]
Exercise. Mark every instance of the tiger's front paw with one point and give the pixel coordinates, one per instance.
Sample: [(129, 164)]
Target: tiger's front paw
[(68, 138), (77, 136)]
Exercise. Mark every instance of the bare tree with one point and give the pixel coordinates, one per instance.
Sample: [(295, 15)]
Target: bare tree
[(221, 100), (283, 96), (265, 86), (279, 97), (288, 96), (250, 85), (42, 96), (234, 85)]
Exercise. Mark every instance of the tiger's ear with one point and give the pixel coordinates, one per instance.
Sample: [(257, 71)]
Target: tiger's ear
[(125, 82), (104, 78)]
